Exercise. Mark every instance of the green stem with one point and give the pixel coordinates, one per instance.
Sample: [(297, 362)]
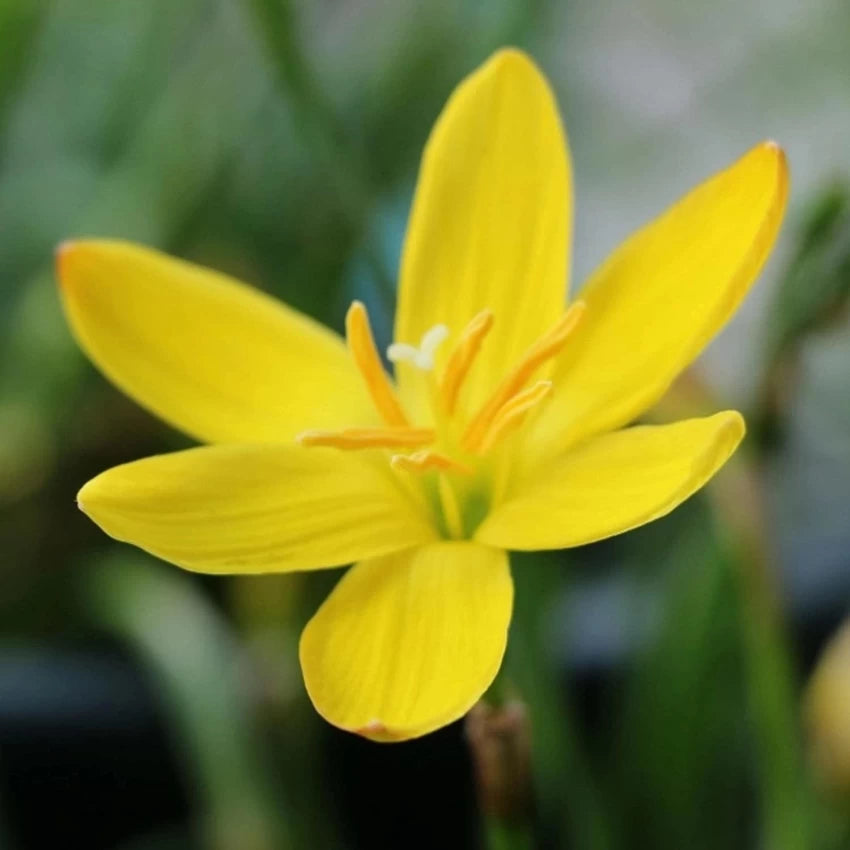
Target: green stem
[(568, 795), (788, 811), (503, 836), (499, 743)]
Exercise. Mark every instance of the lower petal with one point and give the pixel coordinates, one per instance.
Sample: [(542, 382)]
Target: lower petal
[(256, 508), (409, 642), (613, 483)]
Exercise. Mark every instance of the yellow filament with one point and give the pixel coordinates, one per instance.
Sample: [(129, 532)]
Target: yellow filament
[(426, 460), (512, 414), (361, 344), (368, 438), (462, 358), (545, 348), (451, 508)]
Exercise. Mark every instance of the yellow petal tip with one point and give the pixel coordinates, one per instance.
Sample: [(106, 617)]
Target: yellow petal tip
[(772, 149), (84, 497), (735, 423), (508, 54), (68, 254), (63, 255), (511, 60)]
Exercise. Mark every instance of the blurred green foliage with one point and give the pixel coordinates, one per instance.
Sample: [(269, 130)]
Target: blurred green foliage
[(279, 141)]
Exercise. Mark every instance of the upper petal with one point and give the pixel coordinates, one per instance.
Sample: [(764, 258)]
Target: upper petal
[(491, 218), (656, 302), (613, 483), (213, 357), (255, 508), (409, 642)]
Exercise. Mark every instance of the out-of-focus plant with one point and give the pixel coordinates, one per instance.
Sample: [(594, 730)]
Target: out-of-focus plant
[(203, 679), (827, 712), (812, 294)]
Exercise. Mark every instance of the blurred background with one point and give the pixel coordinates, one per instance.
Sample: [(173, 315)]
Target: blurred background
[(665, 671)]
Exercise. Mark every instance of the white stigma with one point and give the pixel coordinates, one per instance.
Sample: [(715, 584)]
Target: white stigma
[(422, 357)]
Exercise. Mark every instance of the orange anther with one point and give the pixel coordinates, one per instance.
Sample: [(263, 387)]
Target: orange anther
[(544, 349), (462, 358), (361, 344), (512, 414), (368, 438)]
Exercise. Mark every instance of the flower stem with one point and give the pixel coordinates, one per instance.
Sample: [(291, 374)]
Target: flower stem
[(499, 742), (569, 800), (502, 836)]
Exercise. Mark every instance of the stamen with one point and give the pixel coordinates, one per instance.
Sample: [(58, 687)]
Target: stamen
[(426, 460), (545, 348), (423, 356), (462, 358), (512, 414), (368, 438), (361, 344), (451, 508)]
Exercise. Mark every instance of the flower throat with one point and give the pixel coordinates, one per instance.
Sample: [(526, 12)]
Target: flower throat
[(454, 445)]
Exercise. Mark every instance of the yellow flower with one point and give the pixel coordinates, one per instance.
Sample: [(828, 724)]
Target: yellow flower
[(502, 430)]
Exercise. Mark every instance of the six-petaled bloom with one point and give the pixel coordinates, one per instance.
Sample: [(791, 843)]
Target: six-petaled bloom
[(503, 428)]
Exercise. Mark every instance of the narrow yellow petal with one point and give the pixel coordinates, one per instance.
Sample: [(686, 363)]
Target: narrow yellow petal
[(255, 508), (658, 300), (613, 483), (409, 642), (490, 221), (213, 357)]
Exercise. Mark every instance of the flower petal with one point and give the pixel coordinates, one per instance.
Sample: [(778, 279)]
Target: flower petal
[(613, 483), (255, 508), (213, 357), (656, 302), (409, 642), (491, 219)]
